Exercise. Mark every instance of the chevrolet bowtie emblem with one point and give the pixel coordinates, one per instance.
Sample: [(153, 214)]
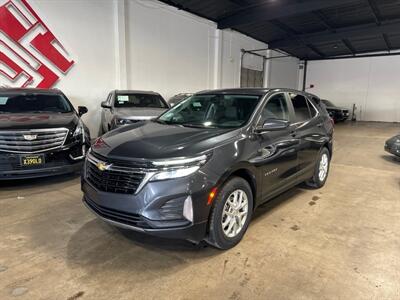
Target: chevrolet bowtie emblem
[(102, 166)]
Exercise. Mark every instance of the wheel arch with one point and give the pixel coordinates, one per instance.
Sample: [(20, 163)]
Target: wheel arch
[(248, 173), (329, 146)]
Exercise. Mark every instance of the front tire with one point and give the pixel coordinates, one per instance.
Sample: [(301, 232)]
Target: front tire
[(321, 170), (231, 214)]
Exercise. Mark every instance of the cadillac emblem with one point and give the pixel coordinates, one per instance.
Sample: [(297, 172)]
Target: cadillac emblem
[(30, 137)]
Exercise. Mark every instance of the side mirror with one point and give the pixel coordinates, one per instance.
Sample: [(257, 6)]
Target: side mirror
[(82, 110), (273, 125), (105, 105)]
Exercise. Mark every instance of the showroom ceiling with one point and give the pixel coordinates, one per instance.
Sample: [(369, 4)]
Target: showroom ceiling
[(308, 29)]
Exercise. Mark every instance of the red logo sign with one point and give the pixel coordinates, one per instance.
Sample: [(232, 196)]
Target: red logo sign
[(30, 54)]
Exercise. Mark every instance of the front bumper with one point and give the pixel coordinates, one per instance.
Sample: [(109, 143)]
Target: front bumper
[(57, 162), (192, 232), (156, 209)]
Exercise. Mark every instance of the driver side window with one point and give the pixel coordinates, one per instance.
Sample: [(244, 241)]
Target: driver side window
[(276, 108)]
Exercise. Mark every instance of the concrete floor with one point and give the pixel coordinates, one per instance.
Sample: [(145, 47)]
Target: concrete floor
[(340, 242)]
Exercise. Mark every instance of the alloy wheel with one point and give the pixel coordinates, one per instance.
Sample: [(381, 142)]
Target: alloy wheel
[(235, 213), (323, 167)]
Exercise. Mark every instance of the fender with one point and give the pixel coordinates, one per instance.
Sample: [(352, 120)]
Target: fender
[(250, 173)]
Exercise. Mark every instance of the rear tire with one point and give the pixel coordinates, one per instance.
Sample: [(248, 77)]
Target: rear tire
[(231, 214), (321, 170)]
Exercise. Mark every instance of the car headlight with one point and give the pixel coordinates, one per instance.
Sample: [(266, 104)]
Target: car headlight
[(79, 129), (177, 168), (177, 173)]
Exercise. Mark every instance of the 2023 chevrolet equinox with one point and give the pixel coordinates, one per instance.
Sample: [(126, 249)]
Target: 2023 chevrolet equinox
[(199, 170), (41, 134)]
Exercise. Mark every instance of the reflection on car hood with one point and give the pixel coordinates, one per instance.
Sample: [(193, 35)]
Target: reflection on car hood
[(150, 140), (132, 112), (37, 120)]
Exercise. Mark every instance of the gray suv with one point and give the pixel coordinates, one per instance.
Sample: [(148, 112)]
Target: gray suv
[(128, 107), (199, 170)]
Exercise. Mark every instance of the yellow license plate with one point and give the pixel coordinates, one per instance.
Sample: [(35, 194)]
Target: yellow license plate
[(32, 160)]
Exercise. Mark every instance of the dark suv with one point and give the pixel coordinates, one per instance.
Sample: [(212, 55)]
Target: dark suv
[(41, 134), (200, 169)]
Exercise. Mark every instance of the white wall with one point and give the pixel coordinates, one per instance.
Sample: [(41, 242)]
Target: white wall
[(169, 51), (371, 83), (231, 46), (145, 44), (282, 72), (86, 30)]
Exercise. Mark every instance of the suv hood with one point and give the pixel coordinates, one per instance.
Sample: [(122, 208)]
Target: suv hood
[(37, 120), (150, 140), (133, 112)]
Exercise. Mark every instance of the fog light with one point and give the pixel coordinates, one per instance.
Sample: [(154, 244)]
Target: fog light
[(188, 209)]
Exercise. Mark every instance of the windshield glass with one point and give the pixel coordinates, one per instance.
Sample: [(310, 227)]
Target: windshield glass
[(328, 103), (212, 110), (140, 100), (34, 103), (179, 97)]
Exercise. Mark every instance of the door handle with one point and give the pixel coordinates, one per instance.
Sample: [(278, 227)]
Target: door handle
[(320, 125)]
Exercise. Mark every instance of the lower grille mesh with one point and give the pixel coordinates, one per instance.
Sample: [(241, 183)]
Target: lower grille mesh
[(116, 215)]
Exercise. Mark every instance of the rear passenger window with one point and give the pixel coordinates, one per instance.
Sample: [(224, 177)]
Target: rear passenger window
[(302, 113)]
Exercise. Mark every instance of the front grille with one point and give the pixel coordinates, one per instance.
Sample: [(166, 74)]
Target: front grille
[(32, 141), (117, 215), (114, 180)]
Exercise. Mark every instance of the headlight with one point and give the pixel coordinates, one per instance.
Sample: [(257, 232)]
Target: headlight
[(79, 129), (177, 173), (177, 168), (181, 161)]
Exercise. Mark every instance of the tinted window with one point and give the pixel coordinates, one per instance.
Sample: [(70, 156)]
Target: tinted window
[(178, 98), (139, 100), (276, 108), (34, 103), (300, 107), (212, 110)]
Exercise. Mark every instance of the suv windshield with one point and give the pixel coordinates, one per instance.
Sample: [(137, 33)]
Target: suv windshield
[(34, 103), (212, 110), (140, 100), (328, 103)]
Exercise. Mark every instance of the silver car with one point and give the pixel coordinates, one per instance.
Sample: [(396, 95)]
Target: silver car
[(127, 107)]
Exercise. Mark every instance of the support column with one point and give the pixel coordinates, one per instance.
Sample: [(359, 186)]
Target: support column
[(217, 59), (121, 62), (267, 69)]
